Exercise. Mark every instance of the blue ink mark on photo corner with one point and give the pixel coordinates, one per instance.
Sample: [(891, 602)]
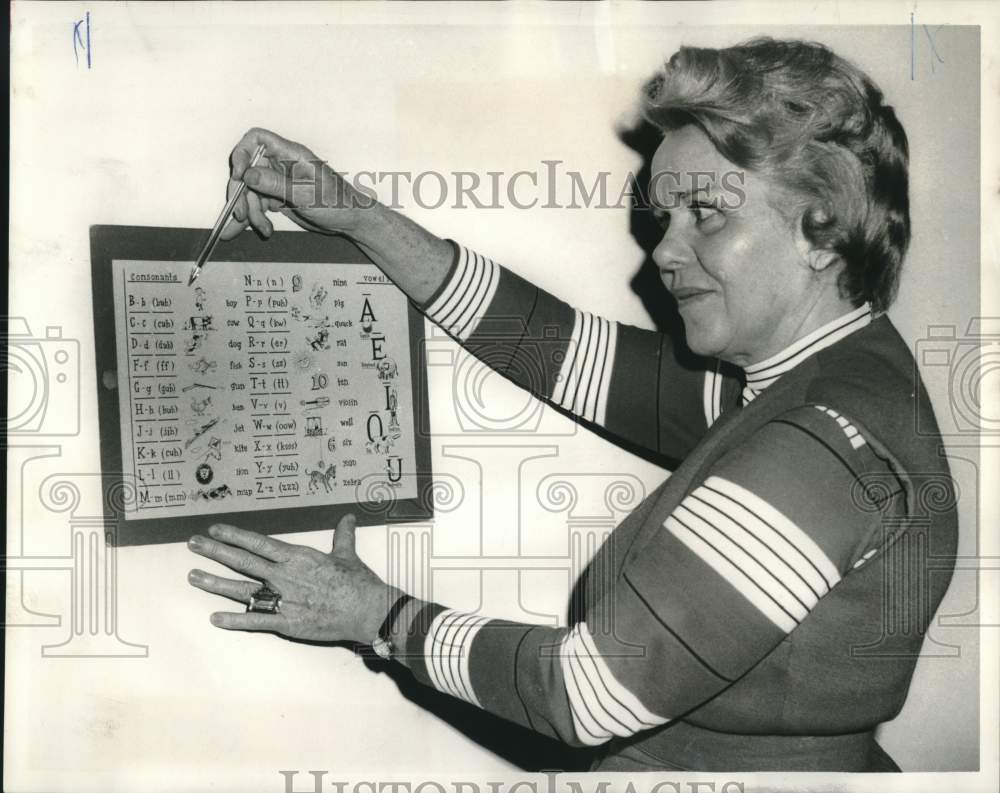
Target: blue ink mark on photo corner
[(81, 39), (913, 47)]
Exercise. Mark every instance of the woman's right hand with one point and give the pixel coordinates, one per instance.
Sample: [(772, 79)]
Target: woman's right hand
[(292, 180)]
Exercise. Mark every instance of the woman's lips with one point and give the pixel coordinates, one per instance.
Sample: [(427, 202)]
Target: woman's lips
[(687, 295)]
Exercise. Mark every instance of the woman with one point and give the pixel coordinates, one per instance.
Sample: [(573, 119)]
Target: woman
[(747, 615)]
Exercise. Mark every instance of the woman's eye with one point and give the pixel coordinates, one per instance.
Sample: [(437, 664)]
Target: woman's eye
[(703, 212)]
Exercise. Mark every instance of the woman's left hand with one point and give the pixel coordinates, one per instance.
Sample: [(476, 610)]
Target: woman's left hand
[(324, 596)]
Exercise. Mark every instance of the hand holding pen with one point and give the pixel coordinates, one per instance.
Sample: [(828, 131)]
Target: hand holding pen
[(294, 181)]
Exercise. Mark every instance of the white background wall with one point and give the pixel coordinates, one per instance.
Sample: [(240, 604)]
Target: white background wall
[(142, 138)]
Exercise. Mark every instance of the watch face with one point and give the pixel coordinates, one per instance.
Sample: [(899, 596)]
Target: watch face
[(382, 648)]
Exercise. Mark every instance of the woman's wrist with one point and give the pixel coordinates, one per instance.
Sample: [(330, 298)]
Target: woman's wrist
[(371, 222), (416, 260), (401, 625), (375, 613)]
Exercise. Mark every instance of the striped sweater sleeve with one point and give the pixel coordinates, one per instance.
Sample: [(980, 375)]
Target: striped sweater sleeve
[(628, 381), (730, 573)]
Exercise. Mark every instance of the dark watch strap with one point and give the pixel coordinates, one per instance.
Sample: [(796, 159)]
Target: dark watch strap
[(390, 618)]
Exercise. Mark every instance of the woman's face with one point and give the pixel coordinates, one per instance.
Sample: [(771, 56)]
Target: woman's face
[(733, 263)]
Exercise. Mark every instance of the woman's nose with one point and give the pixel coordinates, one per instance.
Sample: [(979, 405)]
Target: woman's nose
[(672, 253)]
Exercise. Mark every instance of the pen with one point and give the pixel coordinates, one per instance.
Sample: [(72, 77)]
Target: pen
[(227, 210)]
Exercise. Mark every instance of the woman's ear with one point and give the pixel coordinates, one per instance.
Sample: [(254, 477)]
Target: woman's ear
[(816, 259), (820, 260)]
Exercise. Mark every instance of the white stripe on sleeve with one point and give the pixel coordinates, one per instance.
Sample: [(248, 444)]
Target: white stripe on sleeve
[(600, 705), (585, 375), (604, 375), (447, 649), (762, 554), (462, 303)]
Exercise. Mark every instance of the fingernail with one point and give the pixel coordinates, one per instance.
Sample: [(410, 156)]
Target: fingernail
[(194, 577), (195, 542), (214, 529), (216, 619), (251, 177)]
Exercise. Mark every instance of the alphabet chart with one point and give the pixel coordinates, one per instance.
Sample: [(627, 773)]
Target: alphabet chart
[(264, 386)]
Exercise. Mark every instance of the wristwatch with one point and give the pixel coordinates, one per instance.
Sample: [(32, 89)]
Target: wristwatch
[(382, 644)]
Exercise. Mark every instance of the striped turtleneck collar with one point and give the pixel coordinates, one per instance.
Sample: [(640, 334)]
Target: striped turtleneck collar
[(761, 375)]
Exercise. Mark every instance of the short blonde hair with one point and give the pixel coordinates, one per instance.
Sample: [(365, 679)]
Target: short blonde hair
[(818, 126)]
